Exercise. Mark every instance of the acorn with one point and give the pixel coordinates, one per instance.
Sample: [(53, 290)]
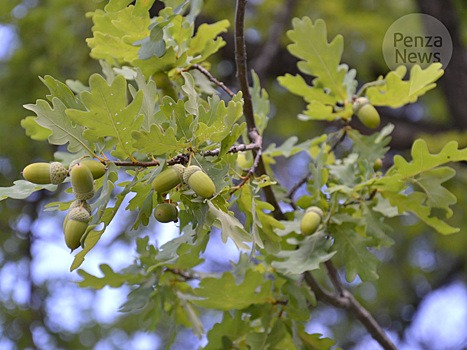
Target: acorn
[(378, 164), (74, 226), (199, 181), (97, 168), (168, 179), (311, 220), (80, 203), (244, 161), (82, 182), (366, 112), (45, 173), (166, 212)]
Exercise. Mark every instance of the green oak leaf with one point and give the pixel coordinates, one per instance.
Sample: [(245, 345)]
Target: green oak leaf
[(423, 160), (114, 34), (261, 105), (150, 94), (230, 226), (207, 41), (423, 176), (396, 92), (319, 58), (34, 130), (216, 121), (224, 333), (62, 92), (158, 141), (225, 294), (311, 251), (22, 189), (352, 248), (63, 129), (192, 105), (110, 278), (108, 114)]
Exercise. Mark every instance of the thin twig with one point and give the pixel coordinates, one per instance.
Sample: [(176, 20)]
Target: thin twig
[(250, 172), (212, 79), (234, 149), (241, 63), (184, 158), (299, 184)]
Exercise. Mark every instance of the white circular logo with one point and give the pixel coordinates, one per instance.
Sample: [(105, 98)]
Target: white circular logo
[(417, 38)]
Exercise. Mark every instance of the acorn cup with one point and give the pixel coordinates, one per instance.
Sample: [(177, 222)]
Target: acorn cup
[(82, 182), (45, 173), (166, 212), (311, 220), (199, 181), (366, 112), (74, 226), (79, 203), (168, 179), (97, 168)]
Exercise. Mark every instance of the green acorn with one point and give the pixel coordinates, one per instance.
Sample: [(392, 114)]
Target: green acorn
[(97, 168), (82, 182), (366, 112), (311, 220), (45, 173), (168, 179), (244, 161), (199, 181), (378, 164), (74, 226), (166, 212)]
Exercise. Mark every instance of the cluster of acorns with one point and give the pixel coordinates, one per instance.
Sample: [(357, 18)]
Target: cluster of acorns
[(177, 174), (82, 174)]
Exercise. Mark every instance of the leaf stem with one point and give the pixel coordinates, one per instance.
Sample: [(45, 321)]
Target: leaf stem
[(212, 79)]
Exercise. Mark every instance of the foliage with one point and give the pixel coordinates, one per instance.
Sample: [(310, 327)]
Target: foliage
[(151, 108)]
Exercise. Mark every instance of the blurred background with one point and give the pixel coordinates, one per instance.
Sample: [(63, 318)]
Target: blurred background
[(421, 296)]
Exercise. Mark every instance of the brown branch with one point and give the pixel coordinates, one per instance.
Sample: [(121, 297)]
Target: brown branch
[(345, 300), (212, 79), (241, 65)]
